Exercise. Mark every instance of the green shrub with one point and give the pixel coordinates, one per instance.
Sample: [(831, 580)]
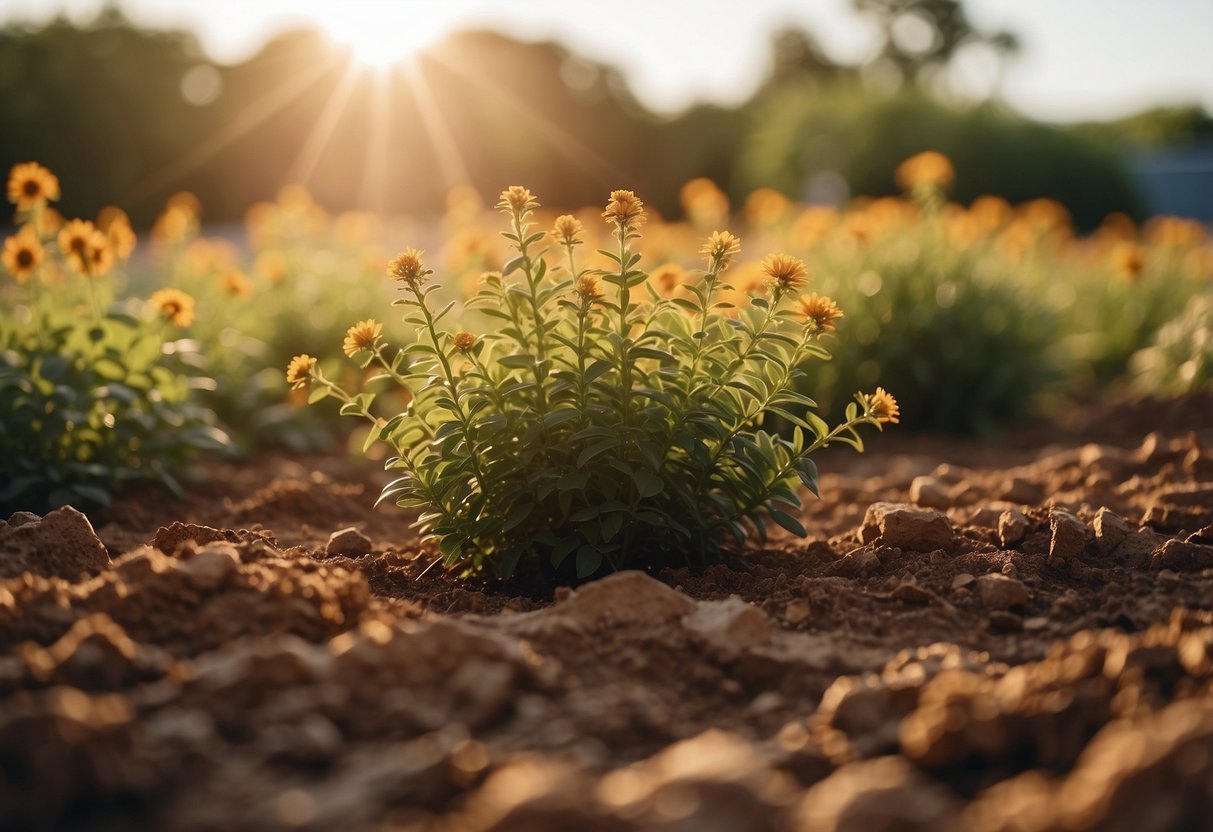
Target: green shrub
[(599, 428), (93, 394)]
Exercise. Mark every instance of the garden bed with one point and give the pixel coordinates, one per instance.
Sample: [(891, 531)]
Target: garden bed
[(999, 636)]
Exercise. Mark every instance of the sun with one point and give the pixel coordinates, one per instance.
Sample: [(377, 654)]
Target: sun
[(381, 35)]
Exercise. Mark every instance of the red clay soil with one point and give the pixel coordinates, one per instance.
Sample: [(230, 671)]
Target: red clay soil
[(1011, 636)]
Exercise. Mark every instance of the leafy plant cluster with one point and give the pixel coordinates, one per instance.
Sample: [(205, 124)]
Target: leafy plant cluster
[(599, 425), (303, 276), (94, 394)]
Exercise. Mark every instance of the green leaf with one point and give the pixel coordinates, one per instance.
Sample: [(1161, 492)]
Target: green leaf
[(589, 560), (520, 361), (317, 394), (559, 417), (563, 549), (647, 483), (597, 448), (518, 513), (788, 522), (806, 469)]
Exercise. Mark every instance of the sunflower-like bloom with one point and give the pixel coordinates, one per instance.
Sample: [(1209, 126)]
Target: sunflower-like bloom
[(625, 209), (30, 184), (408, 269), (517, 200), (464, 341), (720, 248), (362, 336), (784, 272), (819, 311), (1129, 259), (74, 239), (667, 278), (883, 406), (929, 169), (235, 283), (588, 291), (100, 255), (117, 228), (300, 369), (23, 254), (175, 305), (567, 231)]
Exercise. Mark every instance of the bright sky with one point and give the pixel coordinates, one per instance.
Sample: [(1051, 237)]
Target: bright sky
[(1081, 59)]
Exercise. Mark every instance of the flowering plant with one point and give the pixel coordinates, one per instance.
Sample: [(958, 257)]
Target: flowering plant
[(92, 393), (602, 426)]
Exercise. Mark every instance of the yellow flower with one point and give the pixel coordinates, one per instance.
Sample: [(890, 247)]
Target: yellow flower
[(23, 254), (720, 249), (1129, 259), (703, 201), (30, 184), (766, 207), (100, 255), (235, 283), (175, 305), (117, 227), (819, 310), (667, 279), (587, 290), (186, 202), (784, 272), (464, 341), (362, 336), (883, 406), (74, 240), (517, 200), (567, 231), (300, 369), (625, 209), (929, 169), (408, 268)]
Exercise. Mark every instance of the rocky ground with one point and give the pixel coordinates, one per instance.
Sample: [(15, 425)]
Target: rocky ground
[(1012, 637)]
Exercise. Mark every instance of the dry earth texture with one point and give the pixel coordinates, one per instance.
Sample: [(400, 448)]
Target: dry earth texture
[(1011, 637)]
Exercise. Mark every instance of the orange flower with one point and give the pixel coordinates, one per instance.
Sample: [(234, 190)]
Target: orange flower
[(819, 310), (23, 254), (464, 341), (784, 272), (588, 291), (100, 255), (929, 169), (517, 200), (300, 370), (74, 240), (625, 209), (667, 279), (117, 228), (883, 406), (720, 249), (235, 283), (30, 184), (362, 336), (408, 268), (175, 305), (567, 231)]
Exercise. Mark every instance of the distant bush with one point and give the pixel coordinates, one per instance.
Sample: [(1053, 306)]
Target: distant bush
[(803, 131)]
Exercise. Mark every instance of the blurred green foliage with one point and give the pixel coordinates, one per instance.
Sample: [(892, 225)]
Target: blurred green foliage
[(805, 132)]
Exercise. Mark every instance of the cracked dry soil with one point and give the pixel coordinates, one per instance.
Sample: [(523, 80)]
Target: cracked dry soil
[(1011, 637)]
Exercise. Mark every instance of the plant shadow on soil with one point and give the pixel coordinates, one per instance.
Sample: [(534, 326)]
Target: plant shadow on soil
[(969, 630)]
